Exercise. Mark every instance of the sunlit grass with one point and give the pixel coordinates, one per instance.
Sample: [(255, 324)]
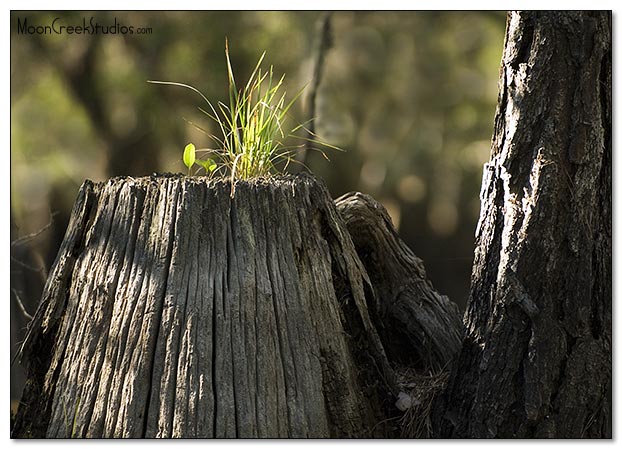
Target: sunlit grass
[(252, 126)]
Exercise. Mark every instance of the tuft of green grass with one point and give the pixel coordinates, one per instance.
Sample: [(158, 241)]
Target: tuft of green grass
[(252, 126)]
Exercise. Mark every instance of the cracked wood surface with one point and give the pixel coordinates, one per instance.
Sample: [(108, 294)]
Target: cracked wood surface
[(174, 310)]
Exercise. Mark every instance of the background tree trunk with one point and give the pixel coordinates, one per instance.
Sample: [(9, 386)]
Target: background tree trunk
[(536, 355), (176, 310)]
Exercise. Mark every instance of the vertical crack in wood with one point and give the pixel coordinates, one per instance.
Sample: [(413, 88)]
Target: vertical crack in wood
[(232, 296), (192, 341), (164, 261), (214, 349), (225, 388), (179, 301), (281, 354), (183, 386), (272, 371)]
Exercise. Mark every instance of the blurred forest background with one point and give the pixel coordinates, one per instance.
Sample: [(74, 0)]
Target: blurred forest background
[(410, 97)]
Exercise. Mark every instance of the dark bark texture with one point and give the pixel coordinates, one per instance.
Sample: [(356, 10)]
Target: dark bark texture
[(175, 309), (419, 327), (536, 355)]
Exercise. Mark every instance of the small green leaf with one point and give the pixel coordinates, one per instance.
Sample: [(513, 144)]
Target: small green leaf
[(209, 165), (189, 155)]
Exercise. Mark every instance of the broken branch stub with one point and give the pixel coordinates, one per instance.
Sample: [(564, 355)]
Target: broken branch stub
[(418, 326)]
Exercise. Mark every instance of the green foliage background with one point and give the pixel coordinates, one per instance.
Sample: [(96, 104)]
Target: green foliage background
[(409, 95)]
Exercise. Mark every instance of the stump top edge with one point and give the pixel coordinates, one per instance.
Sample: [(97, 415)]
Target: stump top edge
[(279, 181)]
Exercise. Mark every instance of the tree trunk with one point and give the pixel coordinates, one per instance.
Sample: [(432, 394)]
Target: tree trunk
[(174, 309), (536, 355)]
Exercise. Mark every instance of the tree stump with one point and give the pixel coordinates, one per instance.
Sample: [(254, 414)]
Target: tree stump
[(175, 309), (418, 326)]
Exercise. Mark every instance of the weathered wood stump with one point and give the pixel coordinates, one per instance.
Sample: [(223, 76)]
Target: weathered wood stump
[(176, 309), (418, 326)]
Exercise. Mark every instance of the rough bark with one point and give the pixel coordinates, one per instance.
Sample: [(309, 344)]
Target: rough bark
[(536, 355), (418, 326), (174, 309)]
